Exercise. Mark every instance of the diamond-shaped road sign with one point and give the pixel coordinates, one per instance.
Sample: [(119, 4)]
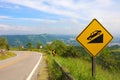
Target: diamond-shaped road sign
[(94, 37)]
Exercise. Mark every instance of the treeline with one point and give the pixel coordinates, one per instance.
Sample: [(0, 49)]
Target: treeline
[(107, 59), (28, 46), (43, 38), (4, 45)]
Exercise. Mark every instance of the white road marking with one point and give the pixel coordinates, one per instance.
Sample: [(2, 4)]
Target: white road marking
[(31, 74)]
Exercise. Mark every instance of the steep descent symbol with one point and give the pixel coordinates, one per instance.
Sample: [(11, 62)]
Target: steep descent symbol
[(96, 37)]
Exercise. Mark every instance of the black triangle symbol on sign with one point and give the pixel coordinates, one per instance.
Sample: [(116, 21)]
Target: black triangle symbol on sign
[(98, 39)]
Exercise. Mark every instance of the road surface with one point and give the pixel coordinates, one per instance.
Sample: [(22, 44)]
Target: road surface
[(21, 67)]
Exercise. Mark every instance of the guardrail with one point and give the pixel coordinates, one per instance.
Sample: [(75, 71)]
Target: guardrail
[(64, 72)]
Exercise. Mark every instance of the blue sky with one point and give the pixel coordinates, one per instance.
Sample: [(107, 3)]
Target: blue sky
[(57, 16)]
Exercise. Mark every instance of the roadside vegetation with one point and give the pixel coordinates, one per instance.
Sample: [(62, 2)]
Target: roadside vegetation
[(81, 70), (7, 55), (78, 62), (4, 49), (4, 45)]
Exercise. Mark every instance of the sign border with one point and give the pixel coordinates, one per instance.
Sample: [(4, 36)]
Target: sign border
[(86, 28)]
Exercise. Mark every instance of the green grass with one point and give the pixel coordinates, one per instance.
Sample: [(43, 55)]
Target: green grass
[(54, 72), (7, 55), (81, 69)]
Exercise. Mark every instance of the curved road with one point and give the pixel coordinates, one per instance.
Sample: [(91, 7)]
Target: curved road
[(21, 67)]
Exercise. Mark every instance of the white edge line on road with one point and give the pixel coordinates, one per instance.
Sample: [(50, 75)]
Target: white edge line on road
[(31, 74)]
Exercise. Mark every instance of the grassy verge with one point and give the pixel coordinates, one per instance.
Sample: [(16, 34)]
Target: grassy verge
[(79, 69), (54, 72), (7, 55)]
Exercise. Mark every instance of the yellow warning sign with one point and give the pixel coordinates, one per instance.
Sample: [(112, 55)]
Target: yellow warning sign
[(94, 37)]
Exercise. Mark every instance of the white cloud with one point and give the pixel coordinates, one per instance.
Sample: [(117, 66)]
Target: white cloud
[(62, 7), (107, 11), (10, 29), (45, 21), (48, 28), (37, 19), (80, 10), (8, 6), (4, 27), (4, 17)]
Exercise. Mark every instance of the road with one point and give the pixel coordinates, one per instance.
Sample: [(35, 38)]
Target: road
[(21, 67)]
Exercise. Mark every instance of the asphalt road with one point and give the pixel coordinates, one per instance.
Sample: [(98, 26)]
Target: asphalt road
[(21, 67)]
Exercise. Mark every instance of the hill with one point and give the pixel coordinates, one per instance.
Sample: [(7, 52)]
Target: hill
[(17, 40)]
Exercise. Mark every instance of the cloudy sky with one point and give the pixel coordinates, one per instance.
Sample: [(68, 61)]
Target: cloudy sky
[(57, 16)]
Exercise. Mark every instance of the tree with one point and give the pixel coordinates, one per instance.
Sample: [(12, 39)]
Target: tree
[(29, 45), (72, 51), (38, 44), (107, 60), (8, 47), (4, 43), (59, 46)]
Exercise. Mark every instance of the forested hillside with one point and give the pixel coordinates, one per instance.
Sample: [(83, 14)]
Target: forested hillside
[(17, 40)]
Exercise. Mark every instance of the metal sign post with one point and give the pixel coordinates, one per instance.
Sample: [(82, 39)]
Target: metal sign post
[(93, 66)]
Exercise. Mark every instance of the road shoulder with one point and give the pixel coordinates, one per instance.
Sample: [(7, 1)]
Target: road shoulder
[(43, 71)]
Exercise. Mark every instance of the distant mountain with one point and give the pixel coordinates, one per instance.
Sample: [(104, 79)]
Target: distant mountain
[(17, 40)]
